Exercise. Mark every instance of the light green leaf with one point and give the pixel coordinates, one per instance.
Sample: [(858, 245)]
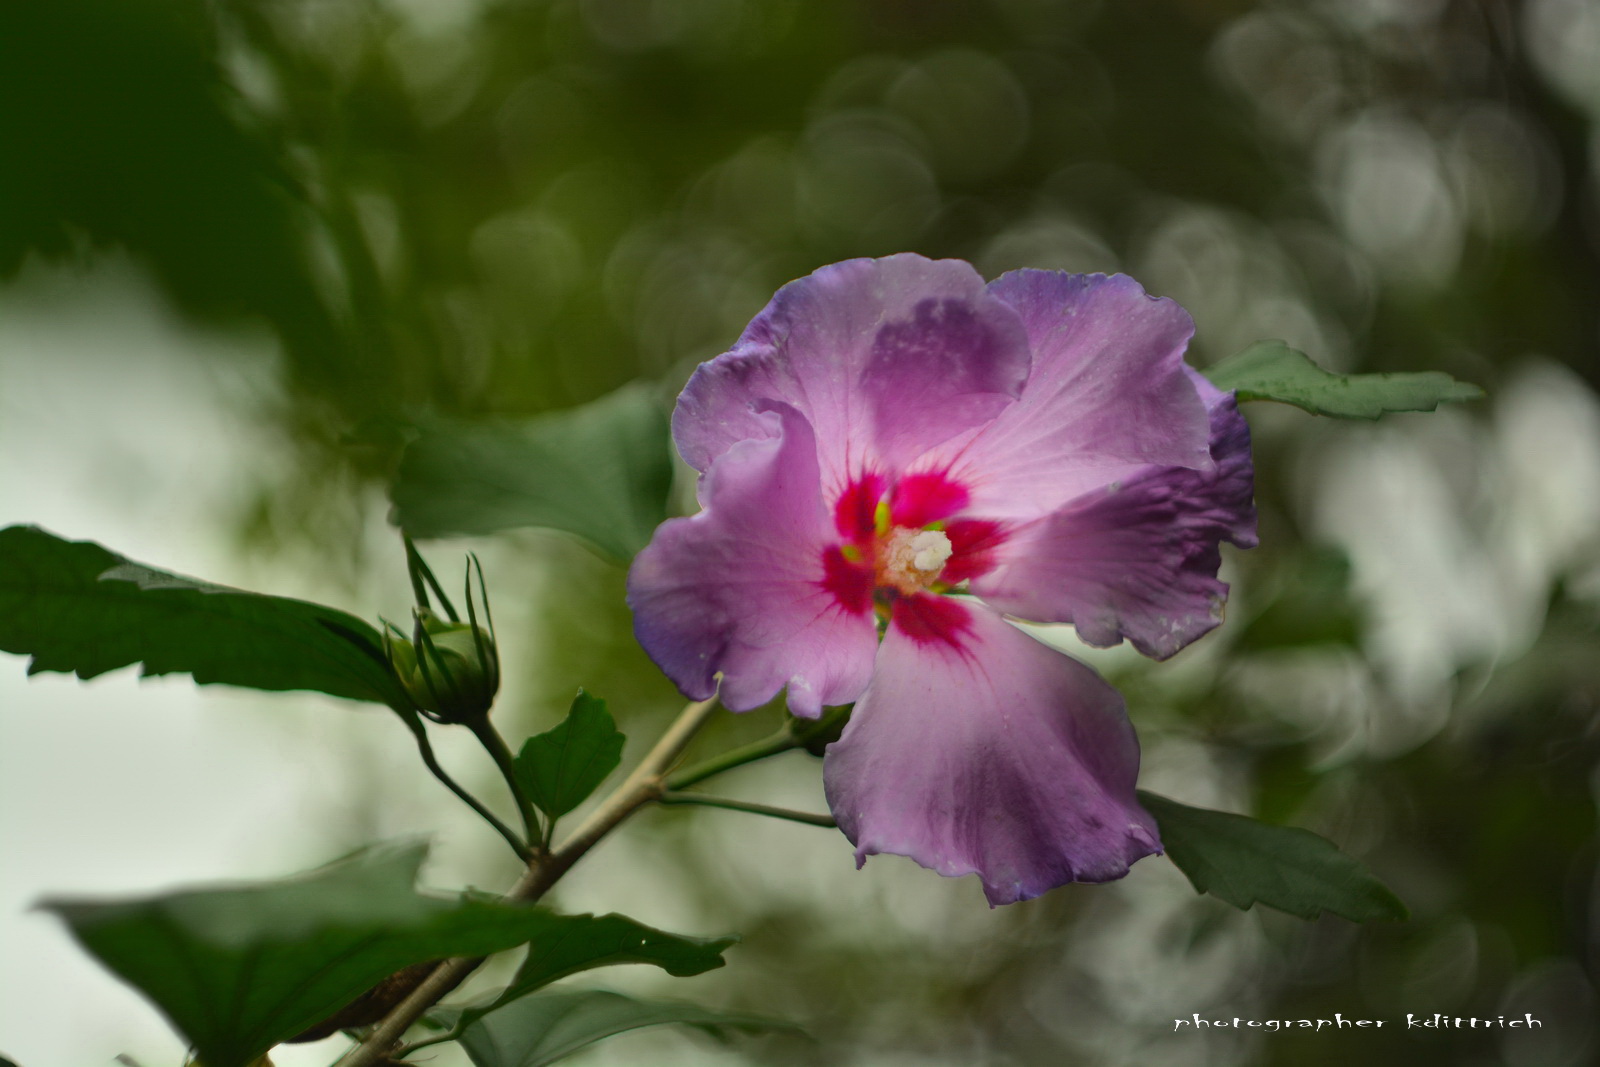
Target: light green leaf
[(559, 768), (602, 471), (1244, 862), (542, 1029), (78, 607), (1271, 370)]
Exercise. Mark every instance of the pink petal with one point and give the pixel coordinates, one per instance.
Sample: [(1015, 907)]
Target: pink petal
[(885, 357), (1137, 560), (996, 756), (1108, 394), (741, 588)]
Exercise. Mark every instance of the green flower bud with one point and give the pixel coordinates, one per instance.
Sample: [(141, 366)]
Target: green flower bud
[(451, 669)]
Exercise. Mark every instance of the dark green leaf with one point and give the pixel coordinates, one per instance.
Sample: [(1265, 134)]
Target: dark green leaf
[(1244, 861), (542, 1029), (558, 769), (238, 969), (144, 147), (6, 1063), (1271, 370), (75, 606), (586, 942), (602, 471)]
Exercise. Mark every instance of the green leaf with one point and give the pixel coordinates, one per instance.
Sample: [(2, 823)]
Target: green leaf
[(1244, 861), (558, 769), (602, 471), (543, 1029), (1271, 370), (78, 607), (238, 969), (587, 942)]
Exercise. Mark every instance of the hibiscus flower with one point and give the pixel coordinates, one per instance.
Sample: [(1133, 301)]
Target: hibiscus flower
[(894, 458)]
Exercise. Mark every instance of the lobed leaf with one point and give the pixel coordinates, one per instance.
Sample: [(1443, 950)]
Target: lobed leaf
[(77, 607), (238, 969), (539, 1030), (1271, 370), (559, 768), (602, 471), (1244, 861)]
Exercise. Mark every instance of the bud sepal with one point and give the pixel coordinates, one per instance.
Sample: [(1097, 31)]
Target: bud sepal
[(451, 670)]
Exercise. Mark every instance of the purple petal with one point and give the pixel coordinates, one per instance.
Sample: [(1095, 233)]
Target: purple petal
[(1108, 394), (739, 588), (997, 757), (1137, 560), (885, 357)]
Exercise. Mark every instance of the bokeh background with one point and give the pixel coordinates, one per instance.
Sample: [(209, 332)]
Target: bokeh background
[(242, 243)]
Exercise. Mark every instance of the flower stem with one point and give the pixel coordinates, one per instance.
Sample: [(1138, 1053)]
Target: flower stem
[(644, 784), (496, 746), (426, 749), (796, 733), (671, 797)]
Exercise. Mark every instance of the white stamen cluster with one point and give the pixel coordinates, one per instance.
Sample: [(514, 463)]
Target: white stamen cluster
[(912, 559)]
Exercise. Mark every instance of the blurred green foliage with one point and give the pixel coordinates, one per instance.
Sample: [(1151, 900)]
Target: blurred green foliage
[(511, 206)]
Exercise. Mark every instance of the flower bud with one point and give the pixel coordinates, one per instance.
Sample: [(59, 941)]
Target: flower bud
[(451, 669)]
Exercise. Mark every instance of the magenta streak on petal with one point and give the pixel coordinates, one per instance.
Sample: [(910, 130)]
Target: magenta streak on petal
[(850, 583), (1002, 758), (928, 619), (741, 587), (975, 546), (854, 516), (1139, 561), (920, 499)]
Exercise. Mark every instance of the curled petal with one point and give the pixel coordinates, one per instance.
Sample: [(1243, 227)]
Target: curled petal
[(742, 587), (1108, 394), (885, 357), (993, 756), (1137, 560)]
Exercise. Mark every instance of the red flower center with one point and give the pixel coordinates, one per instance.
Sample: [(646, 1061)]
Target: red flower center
[(902, 543)]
